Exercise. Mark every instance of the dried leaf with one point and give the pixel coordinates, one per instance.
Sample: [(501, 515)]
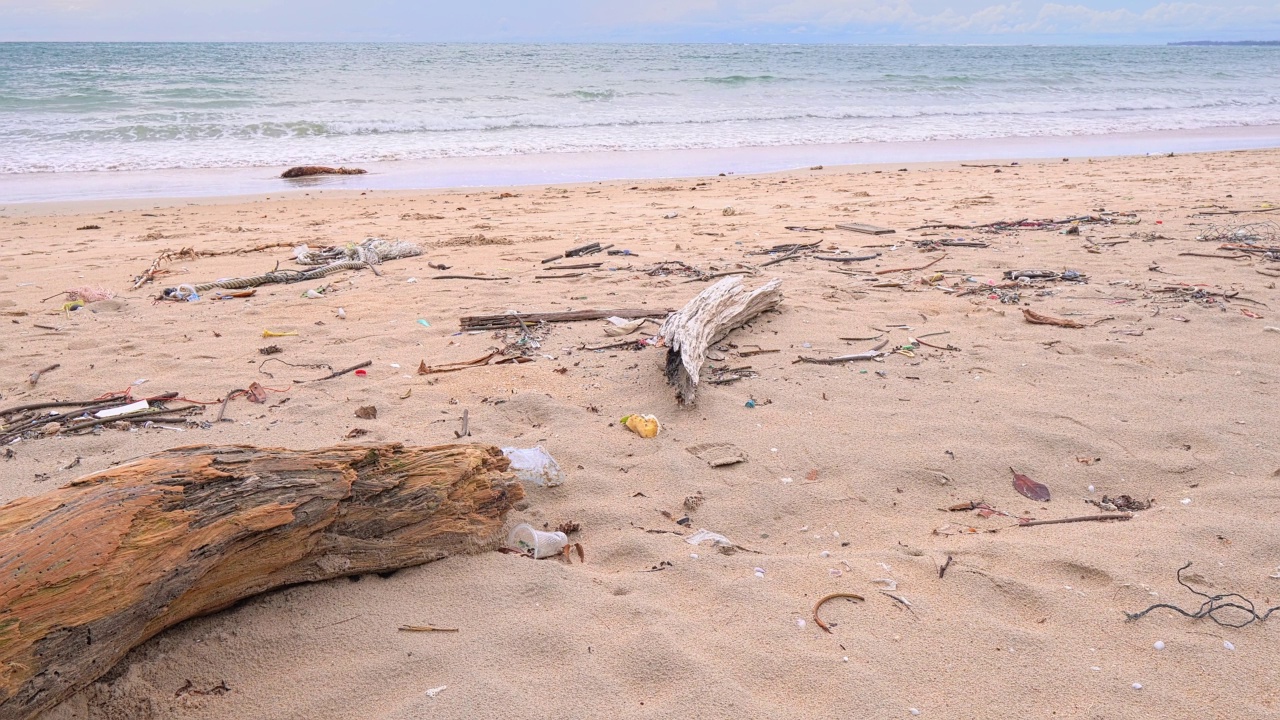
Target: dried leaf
[(367, 412), (422, 368), (1029, 488), (1038, 319), (356, 432), (256, 393)]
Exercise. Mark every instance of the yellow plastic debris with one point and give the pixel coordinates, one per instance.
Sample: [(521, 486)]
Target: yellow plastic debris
[(646, 426), (274, 333)]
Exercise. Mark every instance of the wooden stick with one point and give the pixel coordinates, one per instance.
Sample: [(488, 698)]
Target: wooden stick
[(511, 320), (425, 628), (845, 259), (1208, 255), (557, 277), (338, 373), (912, 269), (467, 277), (793, 254), (35, 376), (1082, 518)]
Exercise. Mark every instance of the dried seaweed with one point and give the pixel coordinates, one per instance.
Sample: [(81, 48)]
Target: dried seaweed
[(1213, 604)]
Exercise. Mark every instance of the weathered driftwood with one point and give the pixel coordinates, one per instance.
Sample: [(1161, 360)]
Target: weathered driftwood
[(707, 319), (513, 320), (95, 568), (309, 170)]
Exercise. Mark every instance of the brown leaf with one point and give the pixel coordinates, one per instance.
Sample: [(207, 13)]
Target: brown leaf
[(256, 393), (367, 412), (1029, 488), (422, 368), (1038, 319)]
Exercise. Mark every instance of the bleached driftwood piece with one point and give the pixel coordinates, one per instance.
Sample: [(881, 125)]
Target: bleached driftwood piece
[(707, 319), (95, 568)]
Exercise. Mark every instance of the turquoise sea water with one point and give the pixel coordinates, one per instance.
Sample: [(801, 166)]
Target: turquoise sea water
[(78, 107)]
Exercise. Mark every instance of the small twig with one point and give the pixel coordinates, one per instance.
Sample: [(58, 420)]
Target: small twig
[(425, 628), (467, 277), (466, 419), (35, 376), (1209, 255), (1082, 518), (1211, 605), (912, 269), (943, 570), (818, 605), (793, 254), (338, 373), (555, 277)]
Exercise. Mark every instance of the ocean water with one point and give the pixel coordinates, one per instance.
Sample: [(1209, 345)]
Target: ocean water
[(101, 107)]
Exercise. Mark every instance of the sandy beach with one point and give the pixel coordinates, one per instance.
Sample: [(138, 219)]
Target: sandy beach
[(1167, 393)]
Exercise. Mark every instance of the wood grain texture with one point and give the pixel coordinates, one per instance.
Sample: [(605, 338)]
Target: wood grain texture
[(93, 569), (707, 319)]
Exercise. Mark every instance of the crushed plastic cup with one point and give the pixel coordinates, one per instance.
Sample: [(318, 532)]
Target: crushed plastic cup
[(537, 543), (534, 465)]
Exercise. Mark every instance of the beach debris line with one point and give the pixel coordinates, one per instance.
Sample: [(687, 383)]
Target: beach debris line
[(1227, 604), (707, 319), (1101, 218), (310, 170), (1029, 488), (33, 421), (189, 531), (495, 357), (188, 253)]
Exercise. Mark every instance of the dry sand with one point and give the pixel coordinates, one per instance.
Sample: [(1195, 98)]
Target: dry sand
[(1027, 622)]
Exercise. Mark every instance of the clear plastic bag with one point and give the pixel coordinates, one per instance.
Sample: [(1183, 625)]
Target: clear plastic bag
[(534, 465)]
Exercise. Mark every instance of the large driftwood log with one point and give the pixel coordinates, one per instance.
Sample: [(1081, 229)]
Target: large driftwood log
[(93, 569), (309, 170), (707, 319)]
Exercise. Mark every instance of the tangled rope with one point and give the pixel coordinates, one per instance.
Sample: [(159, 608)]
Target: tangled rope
[(372, 251), (1211, 605)]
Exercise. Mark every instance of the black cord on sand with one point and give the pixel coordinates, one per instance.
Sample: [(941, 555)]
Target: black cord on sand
[(1213, 604)]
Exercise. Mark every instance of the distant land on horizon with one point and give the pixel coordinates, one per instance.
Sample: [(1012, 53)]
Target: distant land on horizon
[(1227, 42)]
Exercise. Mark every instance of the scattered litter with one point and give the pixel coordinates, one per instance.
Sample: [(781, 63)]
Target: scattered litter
[(622, 326), (278, 333), (646, 426), (436, 691), (865, 229), (123, 409), (536, 543), (534, 465)]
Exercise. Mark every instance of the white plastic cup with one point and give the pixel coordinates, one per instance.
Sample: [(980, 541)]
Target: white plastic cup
[(536, 542)]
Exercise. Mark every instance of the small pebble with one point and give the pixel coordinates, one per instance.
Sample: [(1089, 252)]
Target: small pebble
[(1090, 488), (824, 554), (1136, 686), (693, 555), (800, 623), (786, 481), (342, 314), (1159, 645), (1227, 644), (844, 659), (915, 711), (1186, 501), (759, 572)]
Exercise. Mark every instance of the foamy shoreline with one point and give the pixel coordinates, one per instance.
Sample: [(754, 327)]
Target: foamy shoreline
[(54, 189)]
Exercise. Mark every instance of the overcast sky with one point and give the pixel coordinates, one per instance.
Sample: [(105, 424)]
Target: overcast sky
[(896, 21)]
